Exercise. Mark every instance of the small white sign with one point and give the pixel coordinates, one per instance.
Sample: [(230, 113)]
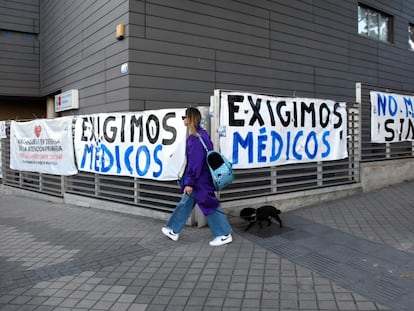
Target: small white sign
[(67, 101), (124, 68)]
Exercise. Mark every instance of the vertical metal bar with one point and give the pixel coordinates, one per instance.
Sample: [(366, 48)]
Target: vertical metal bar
[(20, 179), (273, 179), (136, 191), (215, 121), (358, 93), (97, 181), (210, 116), (63, 180), (354, 143), (357, 132), (319, 172), (215, 118), (388, 150)]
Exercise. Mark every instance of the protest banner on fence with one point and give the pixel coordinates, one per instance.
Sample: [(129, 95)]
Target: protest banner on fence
[(43, 146), (392, 117), (2, 135), (262, 131), (148, 144), (3, 129)]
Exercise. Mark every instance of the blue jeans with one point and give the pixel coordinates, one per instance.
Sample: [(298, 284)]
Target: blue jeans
[(217, 221)]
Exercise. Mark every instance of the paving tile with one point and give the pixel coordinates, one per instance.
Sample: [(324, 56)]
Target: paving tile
[(86, 303), (64, 257), (103, 305)]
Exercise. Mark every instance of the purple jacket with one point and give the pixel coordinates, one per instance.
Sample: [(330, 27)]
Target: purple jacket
[(197, 174)]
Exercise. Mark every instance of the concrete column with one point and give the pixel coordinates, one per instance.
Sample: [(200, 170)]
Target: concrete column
[(50, 107)]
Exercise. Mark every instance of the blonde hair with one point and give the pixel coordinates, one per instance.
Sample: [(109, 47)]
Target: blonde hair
[(194, 118)]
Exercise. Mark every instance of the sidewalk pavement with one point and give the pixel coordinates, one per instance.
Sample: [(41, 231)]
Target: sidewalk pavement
[(355, 253)]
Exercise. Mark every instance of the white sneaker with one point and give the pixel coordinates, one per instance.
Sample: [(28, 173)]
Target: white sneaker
[(170, 233), (221, 240)]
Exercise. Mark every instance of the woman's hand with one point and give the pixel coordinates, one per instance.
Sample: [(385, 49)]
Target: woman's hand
[(188, 190)]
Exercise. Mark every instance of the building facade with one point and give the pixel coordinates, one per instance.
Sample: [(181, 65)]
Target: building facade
[(174, 54), (178, 52)]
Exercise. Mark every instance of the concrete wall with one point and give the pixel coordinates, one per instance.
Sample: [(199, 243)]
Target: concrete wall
[(375, 175)]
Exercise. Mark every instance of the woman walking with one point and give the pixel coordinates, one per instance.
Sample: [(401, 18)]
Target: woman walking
[(197, 187)]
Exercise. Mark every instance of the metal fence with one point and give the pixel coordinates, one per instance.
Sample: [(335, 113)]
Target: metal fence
[(134, 191), (251, 183)]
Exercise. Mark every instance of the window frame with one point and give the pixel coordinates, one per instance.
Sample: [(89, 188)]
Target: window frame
[(411, 36), (374, 31)]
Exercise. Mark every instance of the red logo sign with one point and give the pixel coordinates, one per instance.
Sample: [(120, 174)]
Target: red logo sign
[(37, 130)]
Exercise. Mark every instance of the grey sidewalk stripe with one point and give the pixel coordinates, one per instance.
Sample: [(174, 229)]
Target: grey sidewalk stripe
[(375, 266), (370, 269), (333, 269), (383, 291), (285, 248)]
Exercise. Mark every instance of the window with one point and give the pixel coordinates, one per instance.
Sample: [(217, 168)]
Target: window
[(374, 24), (17, 35), (411, 36)]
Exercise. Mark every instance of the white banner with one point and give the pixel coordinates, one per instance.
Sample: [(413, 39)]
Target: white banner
[(1, 173), (392, 117), (2, 135), (148, 144), (43, 146), (261, 131)]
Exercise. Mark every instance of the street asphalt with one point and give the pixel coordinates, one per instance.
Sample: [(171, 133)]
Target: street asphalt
[(355, 253)]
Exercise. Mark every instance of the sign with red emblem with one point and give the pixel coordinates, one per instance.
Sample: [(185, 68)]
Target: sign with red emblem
[(43, 146), (67, 101), (37, 130)]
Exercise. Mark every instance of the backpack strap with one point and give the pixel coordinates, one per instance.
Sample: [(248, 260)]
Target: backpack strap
[(202, 142)]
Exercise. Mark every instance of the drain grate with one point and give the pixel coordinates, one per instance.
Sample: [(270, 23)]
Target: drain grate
[(288, 250), (380, 289), (262, 232)]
